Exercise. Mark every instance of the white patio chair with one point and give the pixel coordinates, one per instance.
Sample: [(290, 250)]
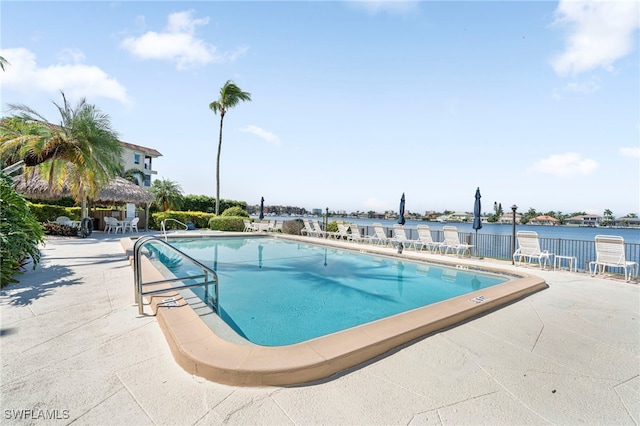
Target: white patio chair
[(247, 225), (63, 220), (131, 225), (529, 249), (610, 253)]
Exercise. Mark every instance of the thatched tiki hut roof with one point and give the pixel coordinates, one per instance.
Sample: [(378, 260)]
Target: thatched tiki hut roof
[(119, 191)]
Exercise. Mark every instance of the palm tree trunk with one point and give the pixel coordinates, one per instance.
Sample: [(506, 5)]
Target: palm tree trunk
[(218, 166)]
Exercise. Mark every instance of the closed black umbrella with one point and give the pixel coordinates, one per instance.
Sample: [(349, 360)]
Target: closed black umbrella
[(401, 220), (477, 220), (261, 208)]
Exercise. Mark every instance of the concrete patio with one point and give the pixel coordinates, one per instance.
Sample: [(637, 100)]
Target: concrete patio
[(74, 350)]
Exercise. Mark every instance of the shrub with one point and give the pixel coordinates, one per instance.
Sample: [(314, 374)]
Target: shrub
[(332, 226), (199, 219), (47, 212), (53, 228), (292, 227), (20, 233), (235, 211), (227, 223)]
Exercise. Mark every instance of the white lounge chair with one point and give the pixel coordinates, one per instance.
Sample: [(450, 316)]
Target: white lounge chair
[(307, 229), (379, 236), (356, 236), (610, 253), (277, 226), (342, 233), (424, 234), (452, 242), (529, 249), (317, 229), (247, 225), (400, 236)]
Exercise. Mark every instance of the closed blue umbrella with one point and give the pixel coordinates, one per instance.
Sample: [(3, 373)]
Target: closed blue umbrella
[(401, 220), (261, 208), (477, 220)]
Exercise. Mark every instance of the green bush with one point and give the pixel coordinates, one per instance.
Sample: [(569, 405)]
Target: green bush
[(227, 223), (47, 212), (20, 233), (235, 211), (332, 226), (204, 203), (199, 219)]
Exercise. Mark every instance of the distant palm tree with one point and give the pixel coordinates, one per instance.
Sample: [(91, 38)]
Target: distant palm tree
[(168, 194), (3, 62), (230, 96), (82, 151)]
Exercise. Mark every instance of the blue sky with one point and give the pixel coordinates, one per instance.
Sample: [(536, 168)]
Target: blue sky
[(354, 103)]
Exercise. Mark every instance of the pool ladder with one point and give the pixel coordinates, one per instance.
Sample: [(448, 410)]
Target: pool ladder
[(163, 227), (208, 275)]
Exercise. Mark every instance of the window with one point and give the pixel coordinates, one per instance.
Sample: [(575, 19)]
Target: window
[(147, 180), (136, 158)]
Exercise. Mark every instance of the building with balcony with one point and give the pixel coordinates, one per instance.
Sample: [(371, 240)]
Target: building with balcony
[(140, 158)]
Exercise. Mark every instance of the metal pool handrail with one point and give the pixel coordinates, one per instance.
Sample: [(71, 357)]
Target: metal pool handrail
[(164, 229), (209, 275)]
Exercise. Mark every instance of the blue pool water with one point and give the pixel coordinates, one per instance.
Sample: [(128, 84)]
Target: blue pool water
[(276, 292)]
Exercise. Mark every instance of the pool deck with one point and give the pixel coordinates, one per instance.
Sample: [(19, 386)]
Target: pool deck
[(74, 347)]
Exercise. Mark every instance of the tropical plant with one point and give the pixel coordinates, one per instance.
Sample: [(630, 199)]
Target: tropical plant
[(235, 211), (168, 194), (82, 152), (133, 175), (3, 62), (230, 96), (20, 233)]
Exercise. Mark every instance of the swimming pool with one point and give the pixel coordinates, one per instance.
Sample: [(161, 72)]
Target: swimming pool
[(203, 345), (276, 292)]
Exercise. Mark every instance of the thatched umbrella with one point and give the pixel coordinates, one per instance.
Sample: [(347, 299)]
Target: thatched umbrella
[(118, 191)]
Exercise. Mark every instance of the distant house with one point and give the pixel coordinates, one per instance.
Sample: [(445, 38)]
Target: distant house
[(625, 222), (584, 220), (508, 218), (141, 158), (544, 220)]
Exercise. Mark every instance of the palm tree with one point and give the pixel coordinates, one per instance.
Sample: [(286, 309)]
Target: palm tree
[(83, 151), (3, 62), (133, 175), (230, 96), (168, 194)]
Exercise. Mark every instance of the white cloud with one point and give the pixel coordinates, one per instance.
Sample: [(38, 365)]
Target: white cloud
[(77, 80), (374, 7), (178, 43), (568, 164), (261, 133), (600, 32), (630, 152)]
